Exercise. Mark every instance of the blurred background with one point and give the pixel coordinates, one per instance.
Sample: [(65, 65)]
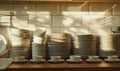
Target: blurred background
[(95, 18)]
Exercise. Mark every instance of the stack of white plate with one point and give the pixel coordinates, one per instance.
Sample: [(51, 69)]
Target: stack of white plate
[(59, 45), (84, 45), (20, 40), (3, 46), (39, 36), (20, 51), (39, 43), (108, 45), (38, 49)]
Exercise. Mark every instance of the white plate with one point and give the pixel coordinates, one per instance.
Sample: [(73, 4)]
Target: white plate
[(61, 60), (37, 61), (22, 61), (118, 60), (88, 60), (69, 60), (3, 44)]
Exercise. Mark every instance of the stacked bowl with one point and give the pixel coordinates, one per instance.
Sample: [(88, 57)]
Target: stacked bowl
[(108, 45), (84, 45), (59, 45), (39, 43), (20, 41)]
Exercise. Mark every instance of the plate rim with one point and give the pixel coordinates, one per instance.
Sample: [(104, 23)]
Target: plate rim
[(61, 60), (37, 61), (112, 60), (93, 61), (69, 60), (4, 45), (25, 60)]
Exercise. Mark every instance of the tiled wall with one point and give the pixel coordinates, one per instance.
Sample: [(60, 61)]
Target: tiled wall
[(81, 17), (84, 17)]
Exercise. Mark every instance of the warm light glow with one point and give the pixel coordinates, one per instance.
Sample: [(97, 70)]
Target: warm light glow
[(75, 20), (74, 14), (25, 7), (84, 31), (106, 41), (67, 21), (20, 22), (43, 14), (95, 22)]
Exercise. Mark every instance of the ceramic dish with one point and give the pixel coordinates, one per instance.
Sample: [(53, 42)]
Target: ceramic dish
[(3, 45), (112, 61), (96, 61), (22, 61), (51, 61), (34, 61), (71, 61)]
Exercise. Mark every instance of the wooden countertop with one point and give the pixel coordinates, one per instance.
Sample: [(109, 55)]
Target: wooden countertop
[(65, 66), (59, 0)]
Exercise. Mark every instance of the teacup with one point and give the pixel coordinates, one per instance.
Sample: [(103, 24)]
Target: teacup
[(37, 58), (114, 57), (19, 58), (55, 58), (75, 58), (93, 58)]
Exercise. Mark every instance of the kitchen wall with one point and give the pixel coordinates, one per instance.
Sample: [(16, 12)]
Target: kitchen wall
[(84, 17), (81, 17)]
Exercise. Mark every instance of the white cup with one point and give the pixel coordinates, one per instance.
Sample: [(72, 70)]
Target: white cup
[(19, 58), (75, 58), (114, 57), (55, 58), (37, 58), (93, 58)]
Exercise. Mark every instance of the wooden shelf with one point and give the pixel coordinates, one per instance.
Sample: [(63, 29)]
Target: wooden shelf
[(65, 67), (60, 0)]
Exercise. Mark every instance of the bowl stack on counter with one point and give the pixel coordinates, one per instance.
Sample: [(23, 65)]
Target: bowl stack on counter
[(108, 45), (39, 42), (59, 45), (84, 45), (20, 42)]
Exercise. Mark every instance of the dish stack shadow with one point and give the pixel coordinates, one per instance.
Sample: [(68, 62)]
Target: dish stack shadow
[(97, 45), (84, 45), (59, 45), (39, 43), (108, 45), (117, 43), (20, 41)]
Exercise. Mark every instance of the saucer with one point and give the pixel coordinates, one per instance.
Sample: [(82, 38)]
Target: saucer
[(107, 60), (18, 61), (96, 61), (34, 61), (52, 61), (71, 61)]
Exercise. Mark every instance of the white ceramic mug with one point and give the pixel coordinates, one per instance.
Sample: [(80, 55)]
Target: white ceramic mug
[(55, 58), (19, 58), (93, 58), (75, 58), (114, 57), (37, 58)]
